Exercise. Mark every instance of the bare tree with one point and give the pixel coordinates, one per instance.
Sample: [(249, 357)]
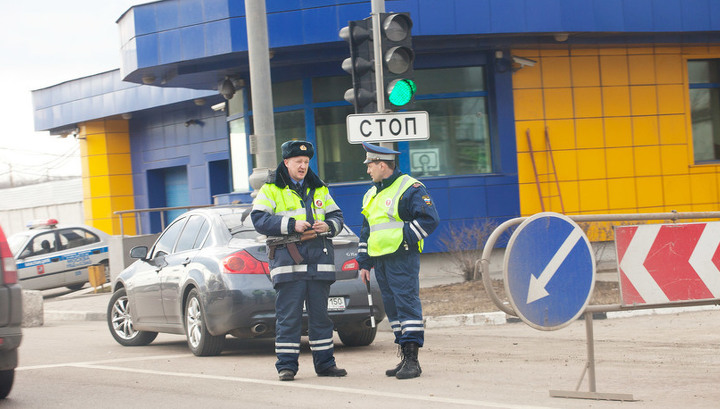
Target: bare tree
[(465, 245)]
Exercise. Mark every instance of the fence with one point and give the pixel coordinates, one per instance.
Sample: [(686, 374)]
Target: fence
[(711, 242)]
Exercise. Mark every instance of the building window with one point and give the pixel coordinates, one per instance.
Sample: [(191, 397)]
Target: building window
[(455, 99), (289, 125), (704, 78), (459, 144), (338, 160)]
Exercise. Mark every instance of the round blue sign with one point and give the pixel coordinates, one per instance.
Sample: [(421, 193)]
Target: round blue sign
[(549, 271)]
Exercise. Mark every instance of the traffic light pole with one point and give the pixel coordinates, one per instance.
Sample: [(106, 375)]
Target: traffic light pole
[(378, 6)]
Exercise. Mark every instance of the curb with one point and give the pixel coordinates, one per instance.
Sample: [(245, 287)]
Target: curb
[(443, 321), (500, 318), (74, 316)]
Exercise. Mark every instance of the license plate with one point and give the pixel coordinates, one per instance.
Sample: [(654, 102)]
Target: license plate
[(334, 304)]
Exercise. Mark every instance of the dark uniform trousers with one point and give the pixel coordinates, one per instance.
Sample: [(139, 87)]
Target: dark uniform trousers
[(398, 276), (288, 309)]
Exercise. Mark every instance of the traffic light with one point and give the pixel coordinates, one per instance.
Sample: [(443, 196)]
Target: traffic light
[(398, 59), (361, 65)]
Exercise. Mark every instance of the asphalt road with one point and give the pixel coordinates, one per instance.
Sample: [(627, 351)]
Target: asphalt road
[(663, 361)]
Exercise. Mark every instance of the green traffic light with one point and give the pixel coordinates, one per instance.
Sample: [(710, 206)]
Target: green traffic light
[(401, 92)]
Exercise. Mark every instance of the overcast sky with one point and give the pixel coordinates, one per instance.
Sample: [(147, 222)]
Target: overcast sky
[(47, 42)]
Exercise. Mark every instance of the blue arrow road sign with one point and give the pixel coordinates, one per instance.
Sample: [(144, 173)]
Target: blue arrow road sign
[(549, 271)]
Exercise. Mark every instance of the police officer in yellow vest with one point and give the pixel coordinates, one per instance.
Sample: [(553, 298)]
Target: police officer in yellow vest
[(295, 200), (398, 215)]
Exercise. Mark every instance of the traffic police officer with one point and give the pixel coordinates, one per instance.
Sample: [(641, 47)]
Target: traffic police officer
[(294, 200), (398, 215)]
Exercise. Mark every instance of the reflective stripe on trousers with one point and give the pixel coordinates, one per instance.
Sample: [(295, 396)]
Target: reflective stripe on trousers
[(289, 310)]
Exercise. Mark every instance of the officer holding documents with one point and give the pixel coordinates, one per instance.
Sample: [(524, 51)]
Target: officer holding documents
[(398, 215), (295, 201)]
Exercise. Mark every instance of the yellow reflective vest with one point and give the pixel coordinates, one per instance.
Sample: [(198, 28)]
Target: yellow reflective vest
[(287, 203), (318, 254), (381, 212)]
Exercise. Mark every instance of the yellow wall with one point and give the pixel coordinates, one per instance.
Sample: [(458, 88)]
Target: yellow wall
[(618, 122), (107, 175)]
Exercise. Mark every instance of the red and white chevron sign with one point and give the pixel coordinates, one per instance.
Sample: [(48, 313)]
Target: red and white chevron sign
[(665, 263)]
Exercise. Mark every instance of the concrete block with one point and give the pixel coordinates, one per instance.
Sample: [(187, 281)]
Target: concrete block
[(33, 313), (119, 249)]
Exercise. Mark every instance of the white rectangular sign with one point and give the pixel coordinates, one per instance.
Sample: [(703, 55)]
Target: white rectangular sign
[(390, 127)]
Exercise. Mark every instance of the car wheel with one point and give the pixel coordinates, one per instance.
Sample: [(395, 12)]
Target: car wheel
[(200, 341), (6, 382), (358, 336), (121, 325)]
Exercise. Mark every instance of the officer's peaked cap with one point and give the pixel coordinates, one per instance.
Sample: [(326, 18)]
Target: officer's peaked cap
[(378, 153), (290, 149)]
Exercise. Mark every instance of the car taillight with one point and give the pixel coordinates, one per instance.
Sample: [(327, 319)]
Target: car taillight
[(9, 269), (243, 263), (350, 265)]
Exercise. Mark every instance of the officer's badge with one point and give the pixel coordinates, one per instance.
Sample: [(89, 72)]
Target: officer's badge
[(427, 200), (303, 147), (388, 202), (319, 203)]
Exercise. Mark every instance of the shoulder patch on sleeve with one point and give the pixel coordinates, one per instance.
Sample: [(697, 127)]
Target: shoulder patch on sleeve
[(427, 200), (417, 184)]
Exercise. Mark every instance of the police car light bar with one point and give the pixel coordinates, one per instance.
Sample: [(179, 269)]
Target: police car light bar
[(34, 224)]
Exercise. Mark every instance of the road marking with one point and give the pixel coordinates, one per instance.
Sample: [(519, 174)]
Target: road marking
[(100, 365), (105, 361), (363, 392)]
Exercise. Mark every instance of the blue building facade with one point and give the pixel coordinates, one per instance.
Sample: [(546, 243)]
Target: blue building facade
[(185, 144)]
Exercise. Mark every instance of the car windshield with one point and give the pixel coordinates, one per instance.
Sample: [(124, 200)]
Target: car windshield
[(16, 242)]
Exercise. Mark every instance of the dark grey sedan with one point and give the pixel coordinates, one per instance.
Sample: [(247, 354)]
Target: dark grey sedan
[(207, 276)]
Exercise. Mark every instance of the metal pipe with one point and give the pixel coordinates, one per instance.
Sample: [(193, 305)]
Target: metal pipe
[(590, 350), (378, 6), (156, 209), (259, 328), (673, 216), (485, 263)]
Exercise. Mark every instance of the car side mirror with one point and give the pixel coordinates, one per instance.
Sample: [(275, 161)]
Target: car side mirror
[(140, 252)]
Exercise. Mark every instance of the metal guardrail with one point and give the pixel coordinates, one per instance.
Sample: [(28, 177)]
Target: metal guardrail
[(162, 210), (484, 264)]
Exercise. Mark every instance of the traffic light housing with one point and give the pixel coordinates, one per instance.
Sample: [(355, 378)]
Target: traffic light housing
[(398, 58), (361, 65)]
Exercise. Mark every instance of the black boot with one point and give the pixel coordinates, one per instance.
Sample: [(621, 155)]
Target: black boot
[(394, 371), (410, 367)]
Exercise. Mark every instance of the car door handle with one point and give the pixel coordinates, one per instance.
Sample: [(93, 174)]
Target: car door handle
[(186, 261), (54, 259), (96, 251)]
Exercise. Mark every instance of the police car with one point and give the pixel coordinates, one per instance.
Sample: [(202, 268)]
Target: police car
[(49, 255)]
